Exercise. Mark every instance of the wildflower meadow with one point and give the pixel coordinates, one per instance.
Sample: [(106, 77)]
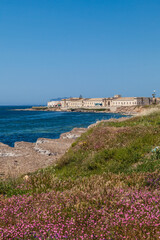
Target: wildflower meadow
[(107, 192)]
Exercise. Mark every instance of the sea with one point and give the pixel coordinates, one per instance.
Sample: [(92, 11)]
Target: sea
[(28, 126)]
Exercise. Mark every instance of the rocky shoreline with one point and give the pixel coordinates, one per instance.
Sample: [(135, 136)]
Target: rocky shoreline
[(27, 157), (133, 110)]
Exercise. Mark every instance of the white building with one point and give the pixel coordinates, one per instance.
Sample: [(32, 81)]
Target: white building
[(54, 104), (94, 103), (72, 103), (130, 101)]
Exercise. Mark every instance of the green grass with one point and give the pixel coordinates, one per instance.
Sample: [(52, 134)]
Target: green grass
[(110, 148)]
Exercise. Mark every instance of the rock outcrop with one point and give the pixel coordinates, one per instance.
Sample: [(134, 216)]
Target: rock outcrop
[(27, 157)]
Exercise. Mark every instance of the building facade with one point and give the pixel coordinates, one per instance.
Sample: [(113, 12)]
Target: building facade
[(54, 104), (131, 101), (94, 103)]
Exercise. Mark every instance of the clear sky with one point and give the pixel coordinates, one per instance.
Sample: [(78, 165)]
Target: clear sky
[(62, 48)]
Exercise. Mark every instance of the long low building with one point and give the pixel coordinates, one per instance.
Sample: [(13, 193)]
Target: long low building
[(93, 103), (131, 101), (81, 103)]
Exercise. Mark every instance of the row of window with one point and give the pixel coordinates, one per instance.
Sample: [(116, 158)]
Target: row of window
[(124, 103), (85, 104)]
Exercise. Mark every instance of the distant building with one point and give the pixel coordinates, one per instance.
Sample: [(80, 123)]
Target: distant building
[(131, 101), (54, 104), (94, 103)]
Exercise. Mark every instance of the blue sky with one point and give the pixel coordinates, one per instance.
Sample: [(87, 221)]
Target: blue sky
[(58, 48)]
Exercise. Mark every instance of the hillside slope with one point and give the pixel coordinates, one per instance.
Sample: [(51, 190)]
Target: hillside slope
[(107, 186), (117, 146)]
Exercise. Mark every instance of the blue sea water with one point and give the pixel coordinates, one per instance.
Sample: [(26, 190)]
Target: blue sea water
[(30, 125)]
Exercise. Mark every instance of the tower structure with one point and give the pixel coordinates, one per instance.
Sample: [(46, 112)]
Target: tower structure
[(154, 97)]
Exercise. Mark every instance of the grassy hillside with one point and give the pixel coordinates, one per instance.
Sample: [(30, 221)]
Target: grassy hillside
[(107, 186), (117, 147)]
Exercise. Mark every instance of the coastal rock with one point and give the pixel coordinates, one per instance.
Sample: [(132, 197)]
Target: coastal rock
[(75, 133), (27, 157), (39, 149), (8, 154), (130, 110), (44, 152)]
